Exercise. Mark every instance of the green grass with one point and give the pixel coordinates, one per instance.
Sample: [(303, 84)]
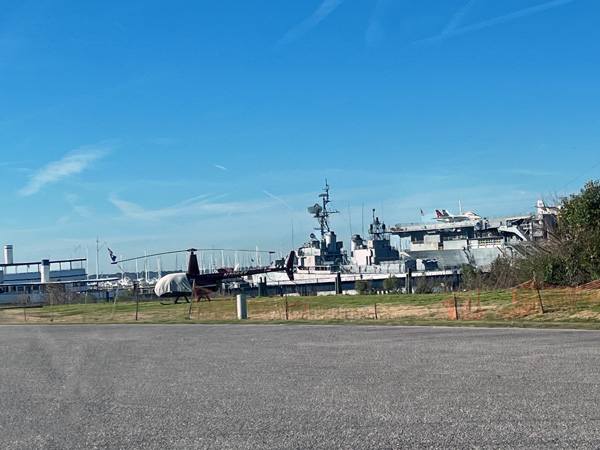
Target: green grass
[(489, 309)]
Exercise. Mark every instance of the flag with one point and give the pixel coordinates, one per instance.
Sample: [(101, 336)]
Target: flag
[(422, 213), (113, 257)]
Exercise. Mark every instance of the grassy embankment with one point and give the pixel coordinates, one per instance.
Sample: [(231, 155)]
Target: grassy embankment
[(561, 309)]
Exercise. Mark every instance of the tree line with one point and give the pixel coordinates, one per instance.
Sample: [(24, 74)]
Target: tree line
[(570, 256)]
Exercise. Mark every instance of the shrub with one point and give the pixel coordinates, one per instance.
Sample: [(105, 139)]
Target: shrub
[(361, 287), (391, 284)]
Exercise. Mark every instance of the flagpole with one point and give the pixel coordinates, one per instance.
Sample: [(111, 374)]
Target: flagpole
[(97, 250)]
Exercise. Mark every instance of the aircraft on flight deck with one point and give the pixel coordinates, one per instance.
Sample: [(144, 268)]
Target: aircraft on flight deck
[(445, 216)]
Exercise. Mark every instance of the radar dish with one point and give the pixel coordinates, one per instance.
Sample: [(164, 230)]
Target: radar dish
[(316, 209)]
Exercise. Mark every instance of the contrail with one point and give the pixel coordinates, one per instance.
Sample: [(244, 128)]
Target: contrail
[(455, 20), (278, 199), (451, 30), (515, 15), (304, 27)]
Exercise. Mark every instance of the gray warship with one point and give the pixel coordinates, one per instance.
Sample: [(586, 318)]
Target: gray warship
[(323, 260), (453, 241)]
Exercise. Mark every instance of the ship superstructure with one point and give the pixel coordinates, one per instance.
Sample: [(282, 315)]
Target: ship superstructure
[(477, 242), (377, 249), (324, 253), (323, 260)]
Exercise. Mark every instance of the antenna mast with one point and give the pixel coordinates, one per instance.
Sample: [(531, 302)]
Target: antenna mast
[(321, 213)]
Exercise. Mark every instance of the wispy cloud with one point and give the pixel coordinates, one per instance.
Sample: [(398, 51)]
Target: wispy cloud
[(220, 167), (374, 33), (202, 205), (73, 163), (304, 27), (135, 211), (531, 172), (278, 199), (452, 27)]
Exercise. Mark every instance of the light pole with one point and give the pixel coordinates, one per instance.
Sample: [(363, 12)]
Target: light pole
[(98, 248)]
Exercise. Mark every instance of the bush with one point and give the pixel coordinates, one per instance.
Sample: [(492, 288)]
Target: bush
[(391, 284), (423, 287), (361, 287)]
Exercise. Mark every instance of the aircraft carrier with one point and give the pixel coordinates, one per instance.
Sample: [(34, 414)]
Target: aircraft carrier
[(453, 241)]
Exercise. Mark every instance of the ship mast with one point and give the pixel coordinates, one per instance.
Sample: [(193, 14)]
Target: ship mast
[(377, 229), (321, 213)]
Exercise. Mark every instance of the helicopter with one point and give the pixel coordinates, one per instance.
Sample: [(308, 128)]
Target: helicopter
[(178, 285)]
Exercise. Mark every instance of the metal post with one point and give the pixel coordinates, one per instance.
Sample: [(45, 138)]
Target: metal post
[(241, 307), (540, 300), (455, 307), (287, 316)]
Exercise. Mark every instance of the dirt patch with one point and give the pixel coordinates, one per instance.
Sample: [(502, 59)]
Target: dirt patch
[(586, 315), (384, 311)]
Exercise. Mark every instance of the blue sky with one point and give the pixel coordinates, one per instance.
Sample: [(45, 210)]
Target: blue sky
[(155, 125)]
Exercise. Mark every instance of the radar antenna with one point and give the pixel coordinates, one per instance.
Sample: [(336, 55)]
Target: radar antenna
[(321, 213), (377, 229)]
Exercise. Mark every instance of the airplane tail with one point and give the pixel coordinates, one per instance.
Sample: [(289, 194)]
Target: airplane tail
[(438, 213), (289, 265)]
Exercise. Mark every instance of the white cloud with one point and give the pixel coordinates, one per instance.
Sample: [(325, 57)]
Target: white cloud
[(71, 164), (202, 208), (452, 28), (452, 25), (189, 207), (304, 27), (278, 199)]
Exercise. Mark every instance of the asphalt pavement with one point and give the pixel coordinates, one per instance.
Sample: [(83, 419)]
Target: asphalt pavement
[(296, 386)]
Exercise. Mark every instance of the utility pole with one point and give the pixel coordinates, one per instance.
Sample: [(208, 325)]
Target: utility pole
[(98, 248)]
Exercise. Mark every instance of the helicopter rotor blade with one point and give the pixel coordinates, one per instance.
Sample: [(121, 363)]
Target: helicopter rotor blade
[(193, 250)]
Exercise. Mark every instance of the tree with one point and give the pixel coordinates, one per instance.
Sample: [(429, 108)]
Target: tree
[(577, 237), (391, 284), (361, 286), (571, 254)]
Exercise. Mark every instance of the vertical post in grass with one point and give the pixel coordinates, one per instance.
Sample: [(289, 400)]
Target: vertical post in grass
[(194, 298), (136, 295), (115, 303), (540, 300), (537, 288), (137, 306), (375, 311), (84, 306), (242, 312), (287, 314), (455, 307), (338, 284)]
